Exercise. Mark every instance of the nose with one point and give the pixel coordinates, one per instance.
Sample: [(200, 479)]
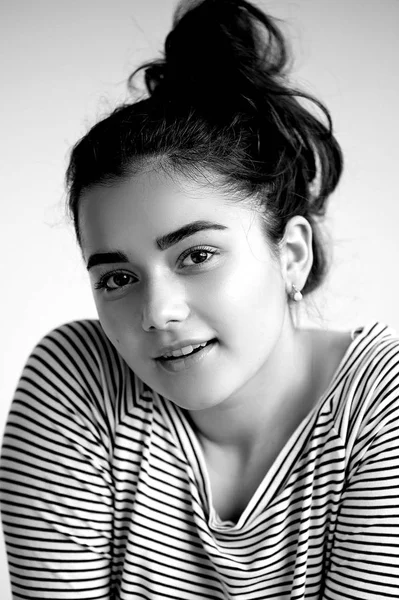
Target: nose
[(164, 304)]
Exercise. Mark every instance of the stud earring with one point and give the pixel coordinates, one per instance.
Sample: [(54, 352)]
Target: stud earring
[(295, 294)]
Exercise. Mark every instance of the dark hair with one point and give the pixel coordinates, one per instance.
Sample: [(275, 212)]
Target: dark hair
[(218, 101)]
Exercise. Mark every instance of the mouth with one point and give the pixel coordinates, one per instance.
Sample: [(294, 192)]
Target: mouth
[(178, 363), (193, 351)]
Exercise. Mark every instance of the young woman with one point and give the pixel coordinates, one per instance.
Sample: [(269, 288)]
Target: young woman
[(195, 442)]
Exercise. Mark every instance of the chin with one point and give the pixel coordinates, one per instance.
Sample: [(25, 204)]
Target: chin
[(192, 398), (194, 404)]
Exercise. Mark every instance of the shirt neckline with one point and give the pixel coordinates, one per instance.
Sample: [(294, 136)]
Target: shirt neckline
[(275, 476)]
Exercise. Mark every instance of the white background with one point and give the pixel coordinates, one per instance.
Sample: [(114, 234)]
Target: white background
[(64, 65)]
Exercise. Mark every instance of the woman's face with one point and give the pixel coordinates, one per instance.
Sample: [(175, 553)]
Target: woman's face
[(175, 263)]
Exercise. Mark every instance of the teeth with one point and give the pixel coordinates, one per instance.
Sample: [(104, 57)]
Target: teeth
[(185, 350)]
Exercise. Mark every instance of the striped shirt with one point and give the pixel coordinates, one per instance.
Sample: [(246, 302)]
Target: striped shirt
[(105, 492)]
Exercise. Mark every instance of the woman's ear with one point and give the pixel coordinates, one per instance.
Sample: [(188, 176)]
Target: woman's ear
[(296, 252)]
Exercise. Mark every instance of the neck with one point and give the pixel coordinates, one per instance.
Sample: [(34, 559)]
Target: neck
[(267, 409)]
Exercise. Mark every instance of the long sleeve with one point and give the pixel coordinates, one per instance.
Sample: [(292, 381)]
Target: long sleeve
[(56, 483)]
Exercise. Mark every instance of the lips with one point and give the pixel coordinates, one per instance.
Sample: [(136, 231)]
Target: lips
[(198, 358), (182, 350)]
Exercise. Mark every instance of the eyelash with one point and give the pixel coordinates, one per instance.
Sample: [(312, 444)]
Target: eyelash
[(103, 281)]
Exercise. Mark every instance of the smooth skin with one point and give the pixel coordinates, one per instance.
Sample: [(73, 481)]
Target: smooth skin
[(264, 375)]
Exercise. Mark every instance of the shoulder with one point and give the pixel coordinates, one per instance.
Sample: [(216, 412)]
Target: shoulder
[(77, 366), (86, 333), (366, 389), (75, 350), (77, 343), (374, 356)]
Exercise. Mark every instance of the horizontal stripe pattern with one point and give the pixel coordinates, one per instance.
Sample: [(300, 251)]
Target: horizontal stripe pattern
[(105, 492)]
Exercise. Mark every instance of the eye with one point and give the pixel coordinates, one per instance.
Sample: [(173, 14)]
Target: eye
[(116, 280), (197, 256)]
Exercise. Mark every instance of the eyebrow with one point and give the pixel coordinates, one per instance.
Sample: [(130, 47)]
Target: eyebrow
[(164, 242)]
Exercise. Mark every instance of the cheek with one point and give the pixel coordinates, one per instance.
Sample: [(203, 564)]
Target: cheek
[(119, 321), (253, 316), (247, 289)]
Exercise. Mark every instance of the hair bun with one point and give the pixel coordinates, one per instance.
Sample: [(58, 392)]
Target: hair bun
[(217, 55), (183, 7)]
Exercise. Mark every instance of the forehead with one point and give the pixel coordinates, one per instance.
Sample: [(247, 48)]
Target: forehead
[(152, 203)]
